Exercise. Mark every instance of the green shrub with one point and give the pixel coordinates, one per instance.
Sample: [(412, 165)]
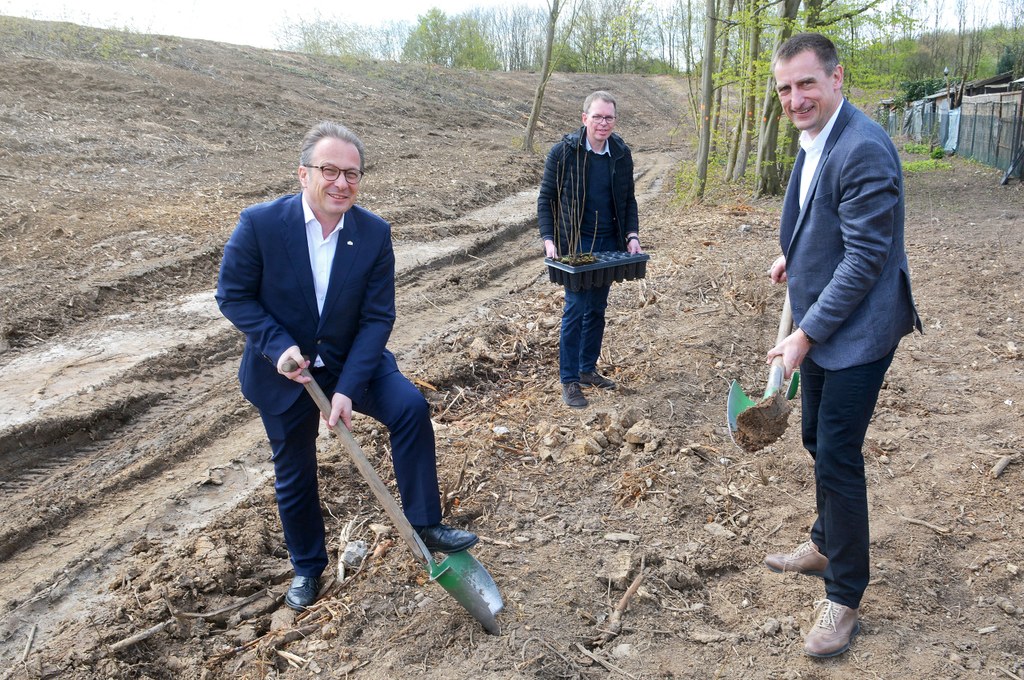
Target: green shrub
[(916, 148), (927, 165), (938, 153)]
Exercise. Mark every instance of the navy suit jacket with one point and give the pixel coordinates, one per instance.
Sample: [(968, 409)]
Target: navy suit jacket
[(846, 263), (265, 289)]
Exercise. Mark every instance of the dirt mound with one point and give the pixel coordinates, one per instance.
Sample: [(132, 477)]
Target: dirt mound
[(139, 536)]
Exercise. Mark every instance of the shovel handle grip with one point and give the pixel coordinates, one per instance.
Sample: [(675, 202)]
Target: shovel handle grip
[(377, 486), (785, 321)]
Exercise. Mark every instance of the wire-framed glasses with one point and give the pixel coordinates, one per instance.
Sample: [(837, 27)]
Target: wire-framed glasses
[(331, 173)]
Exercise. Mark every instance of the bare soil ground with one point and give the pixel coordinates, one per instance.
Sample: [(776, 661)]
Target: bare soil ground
[(137, 492)]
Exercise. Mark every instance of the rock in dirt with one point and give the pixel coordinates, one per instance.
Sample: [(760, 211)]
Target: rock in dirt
[(282, 619), (354, 553), (480, 351), (644, 433), (616, 569), (680, 577), (718, 531), (623, 651)]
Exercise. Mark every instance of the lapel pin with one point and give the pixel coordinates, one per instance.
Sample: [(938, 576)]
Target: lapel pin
[(350, 242)]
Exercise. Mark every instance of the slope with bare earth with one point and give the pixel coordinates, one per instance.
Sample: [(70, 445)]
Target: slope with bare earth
[(138, 496)]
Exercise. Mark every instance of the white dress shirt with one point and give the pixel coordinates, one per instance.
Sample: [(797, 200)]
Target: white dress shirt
[(321, 256), (812, 152)]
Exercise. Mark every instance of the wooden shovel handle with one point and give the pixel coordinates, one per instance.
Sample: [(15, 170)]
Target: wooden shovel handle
[(377, 486), (778, 372)]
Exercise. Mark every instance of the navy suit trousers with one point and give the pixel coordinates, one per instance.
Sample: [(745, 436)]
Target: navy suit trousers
[(837, 407), (390, 399)]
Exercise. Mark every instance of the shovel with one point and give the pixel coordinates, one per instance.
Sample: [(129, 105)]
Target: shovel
[(754, 425), (460, 573)]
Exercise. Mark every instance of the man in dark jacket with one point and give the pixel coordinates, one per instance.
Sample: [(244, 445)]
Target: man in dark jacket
[(845, 263), (313, 274), (587, 204)]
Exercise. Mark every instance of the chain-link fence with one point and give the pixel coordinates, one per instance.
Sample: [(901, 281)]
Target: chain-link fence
[(988, 128)]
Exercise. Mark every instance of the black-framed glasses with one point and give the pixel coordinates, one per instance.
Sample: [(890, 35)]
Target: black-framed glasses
[(331, 173), (602, 119)]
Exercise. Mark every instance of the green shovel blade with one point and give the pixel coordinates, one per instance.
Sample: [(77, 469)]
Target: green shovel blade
[(471, 585), (737, 403)]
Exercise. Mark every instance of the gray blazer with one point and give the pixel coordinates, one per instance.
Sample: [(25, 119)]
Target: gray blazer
[(846, 264)]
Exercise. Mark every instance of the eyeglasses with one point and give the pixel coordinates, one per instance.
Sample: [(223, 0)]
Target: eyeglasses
[(602, 119), (332, 173)]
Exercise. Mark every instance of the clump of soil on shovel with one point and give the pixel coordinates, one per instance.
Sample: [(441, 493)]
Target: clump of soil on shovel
[(763, 423)]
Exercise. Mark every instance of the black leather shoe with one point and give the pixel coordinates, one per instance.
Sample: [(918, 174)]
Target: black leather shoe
[(572, 395), (439, 538), (595, 379), (303, 592)]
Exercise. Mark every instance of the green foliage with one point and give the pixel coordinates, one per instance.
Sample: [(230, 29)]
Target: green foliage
[(457, 42), (926, 165), (916, 148), (938, 153), (1012, 58), (911, 91)]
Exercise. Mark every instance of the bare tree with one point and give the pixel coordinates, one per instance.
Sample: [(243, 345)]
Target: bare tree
[(744, 140), (769, 178), (554, 9), (707, 101), (721, 89)]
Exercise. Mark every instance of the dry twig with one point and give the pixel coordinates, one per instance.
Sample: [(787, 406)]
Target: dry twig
[(934, 527), (614, 623), (1001, 465), (275, 639), (601, 661), (31, 639), (139, 637)]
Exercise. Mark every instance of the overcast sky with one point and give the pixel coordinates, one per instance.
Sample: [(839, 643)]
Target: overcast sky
[(245, 23)]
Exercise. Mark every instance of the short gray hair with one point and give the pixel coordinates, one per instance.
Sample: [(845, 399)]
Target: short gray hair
[(823, 48), (603, 96), (329, 130)]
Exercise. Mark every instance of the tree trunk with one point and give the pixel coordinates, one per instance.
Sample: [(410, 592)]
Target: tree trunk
[(750, 103), (769, 180), (554, 7), (716, 119), (707, 101)]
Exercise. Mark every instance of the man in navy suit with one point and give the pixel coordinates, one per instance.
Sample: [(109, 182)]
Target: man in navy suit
[(845, 262), (313, 275)]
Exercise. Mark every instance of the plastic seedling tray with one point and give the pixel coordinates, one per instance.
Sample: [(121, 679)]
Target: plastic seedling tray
[(608, 267)]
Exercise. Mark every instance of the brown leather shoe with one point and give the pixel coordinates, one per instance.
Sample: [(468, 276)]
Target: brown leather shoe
[(806, 559), (831, 635)]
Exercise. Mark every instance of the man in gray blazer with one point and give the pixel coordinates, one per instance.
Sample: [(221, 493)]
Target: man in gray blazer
[(849, 284)]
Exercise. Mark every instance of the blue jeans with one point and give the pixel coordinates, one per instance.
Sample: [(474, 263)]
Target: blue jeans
[(583, 323), (837, 407)]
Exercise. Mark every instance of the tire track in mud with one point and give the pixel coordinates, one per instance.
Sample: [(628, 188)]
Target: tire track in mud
[(158, 447)]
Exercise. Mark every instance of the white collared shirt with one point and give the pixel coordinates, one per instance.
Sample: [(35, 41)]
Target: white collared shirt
[(321, 255), (607, 147), (812, 152)]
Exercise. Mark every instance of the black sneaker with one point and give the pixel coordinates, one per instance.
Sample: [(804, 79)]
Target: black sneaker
[(572, 395), (595, 379)]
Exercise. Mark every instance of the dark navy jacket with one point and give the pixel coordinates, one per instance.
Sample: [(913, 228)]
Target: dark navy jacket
[(266, 290), (562, 190)]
